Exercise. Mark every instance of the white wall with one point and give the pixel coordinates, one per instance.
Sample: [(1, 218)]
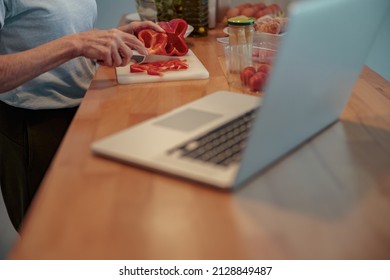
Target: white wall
[(110, 12), (379, 58), (282, 3)]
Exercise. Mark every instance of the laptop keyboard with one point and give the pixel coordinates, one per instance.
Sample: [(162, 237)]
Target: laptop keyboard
[(221, 146)]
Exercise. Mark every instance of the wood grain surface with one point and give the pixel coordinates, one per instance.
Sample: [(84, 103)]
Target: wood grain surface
[(329, 199)]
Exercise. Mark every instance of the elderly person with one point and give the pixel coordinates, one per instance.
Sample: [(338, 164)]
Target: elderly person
[(48, 55)]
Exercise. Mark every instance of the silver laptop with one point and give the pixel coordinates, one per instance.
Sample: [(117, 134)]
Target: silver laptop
[(319, 60)]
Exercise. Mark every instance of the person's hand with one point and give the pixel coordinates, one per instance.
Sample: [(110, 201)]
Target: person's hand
[(108, 47), (136, 26)]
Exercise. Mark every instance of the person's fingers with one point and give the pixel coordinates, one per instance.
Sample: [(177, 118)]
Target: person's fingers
[(150, 25), (136, 26), (134, 43), (125, 53), (116, 58), (114, 49), (111, 47), (104, 56)]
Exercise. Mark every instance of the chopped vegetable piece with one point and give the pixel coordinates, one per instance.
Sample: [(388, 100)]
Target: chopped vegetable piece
[(157, 68)]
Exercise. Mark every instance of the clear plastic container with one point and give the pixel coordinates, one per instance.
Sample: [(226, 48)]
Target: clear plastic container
[(248, 61), (248, 74)]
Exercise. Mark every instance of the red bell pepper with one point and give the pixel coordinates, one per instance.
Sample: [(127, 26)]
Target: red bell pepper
[(175, 29), (170, 43), (154, 41), (156, 68)]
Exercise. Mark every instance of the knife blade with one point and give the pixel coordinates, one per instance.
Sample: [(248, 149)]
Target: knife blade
[(140, 58)]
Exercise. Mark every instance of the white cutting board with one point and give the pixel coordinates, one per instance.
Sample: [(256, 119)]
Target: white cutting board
[(195, 71)]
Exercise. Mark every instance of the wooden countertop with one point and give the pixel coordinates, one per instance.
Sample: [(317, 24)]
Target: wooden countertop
[(330, 199)]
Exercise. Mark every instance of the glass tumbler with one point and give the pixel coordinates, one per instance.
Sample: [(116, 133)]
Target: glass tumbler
[(147, 10)]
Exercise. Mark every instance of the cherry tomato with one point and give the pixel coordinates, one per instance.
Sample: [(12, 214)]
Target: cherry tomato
[(265, 68), (246, 74), (257, 81)]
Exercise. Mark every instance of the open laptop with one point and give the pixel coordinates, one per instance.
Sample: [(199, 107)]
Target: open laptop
[(318, 62)]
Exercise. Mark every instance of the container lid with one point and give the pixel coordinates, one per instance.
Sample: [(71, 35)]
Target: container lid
[(241, 21)]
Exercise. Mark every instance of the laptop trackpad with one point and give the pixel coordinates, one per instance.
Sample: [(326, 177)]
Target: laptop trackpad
[(188, 119)]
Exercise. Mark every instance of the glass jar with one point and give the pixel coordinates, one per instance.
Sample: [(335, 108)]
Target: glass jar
[(239, 51), (241, 30), (169, 9), (196, 13)]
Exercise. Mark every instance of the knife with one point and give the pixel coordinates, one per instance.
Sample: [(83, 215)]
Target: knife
[(140, 58)]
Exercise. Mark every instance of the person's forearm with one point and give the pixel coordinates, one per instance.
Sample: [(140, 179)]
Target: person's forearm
[(18, 68), (111, 48)]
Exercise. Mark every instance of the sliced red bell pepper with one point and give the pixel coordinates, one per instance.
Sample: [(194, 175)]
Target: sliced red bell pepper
[(156, 68), (154, 72), (175, 29), (170, 43), (137, 68), (154, 41)]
